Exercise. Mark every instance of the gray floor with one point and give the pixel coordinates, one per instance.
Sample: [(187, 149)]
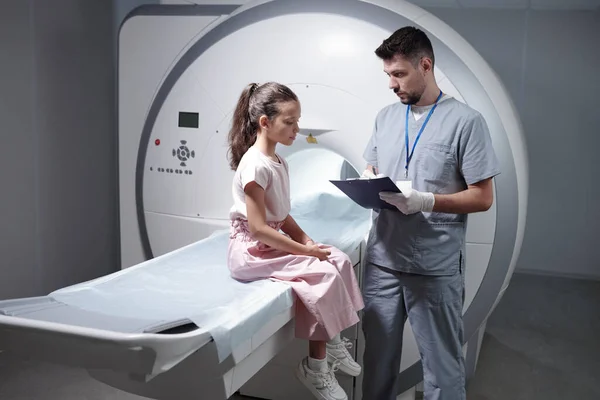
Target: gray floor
[(542, 343)]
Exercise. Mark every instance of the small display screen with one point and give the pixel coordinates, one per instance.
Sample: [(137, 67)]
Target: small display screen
[(188, 119)]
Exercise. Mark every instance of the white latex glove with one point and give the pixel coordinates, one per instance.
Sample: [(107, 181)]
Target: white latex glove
[(369, 175), (410, 201)]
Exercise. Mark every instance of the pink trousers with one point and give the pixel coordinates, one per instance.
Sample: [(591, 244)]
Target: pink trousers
[(328, 292)]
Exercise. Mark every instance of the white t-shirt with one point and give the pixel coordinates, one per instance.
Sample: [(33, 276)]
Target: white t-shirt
[(272, 176), (420, 111)]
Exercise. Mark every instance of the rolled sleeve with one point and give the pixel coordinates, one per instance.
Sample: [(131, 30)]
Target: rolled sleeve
[(255, 173), (477, 158)]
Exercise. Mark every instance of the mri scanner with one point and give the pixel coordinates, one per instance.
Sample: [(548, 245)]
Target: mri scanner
[(172, 324)]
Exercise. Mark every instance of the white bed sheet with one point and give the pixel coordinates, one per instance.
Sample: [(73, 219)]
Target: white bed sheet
[(194, 283)]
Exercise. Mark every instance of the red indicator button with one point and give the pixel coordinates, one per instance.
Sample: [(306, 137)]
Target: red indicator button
[(157, 142)]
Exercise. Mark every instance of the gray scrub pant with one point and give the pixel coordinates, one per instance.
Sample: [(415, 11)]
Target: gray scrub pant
[(433, 305)]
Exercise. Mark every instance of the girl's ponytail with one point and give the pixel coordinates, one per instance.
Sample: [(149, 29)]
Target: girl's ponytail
[(243, 130)]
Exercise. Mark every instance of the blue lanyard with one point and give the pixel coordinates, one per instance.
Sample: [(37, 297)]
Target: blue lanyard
[(409, 156)]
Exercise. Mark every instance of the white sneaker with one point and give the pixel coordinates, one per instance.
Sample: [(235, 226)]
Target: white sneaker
[(339, 353), (322, 385)]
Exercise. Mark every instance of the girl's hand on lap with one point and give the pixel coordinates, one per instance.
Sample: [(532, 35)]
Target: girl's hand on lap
[(315, 251)]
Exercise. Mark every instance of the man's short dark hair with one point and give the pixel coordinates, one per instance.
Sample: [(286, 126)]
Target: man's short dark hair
[(410, 42)]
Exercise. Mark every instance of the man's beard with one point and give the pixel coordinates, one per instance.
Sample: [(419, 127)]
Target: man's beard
[(411, 98)]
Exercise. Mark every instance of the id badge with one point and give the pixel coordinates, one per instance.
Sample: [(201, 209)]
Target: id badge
[(404, 186)]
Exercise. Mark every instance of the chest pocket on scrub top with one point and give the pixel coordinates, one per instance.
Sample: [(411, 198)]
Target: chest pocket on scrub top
[(435, 164)]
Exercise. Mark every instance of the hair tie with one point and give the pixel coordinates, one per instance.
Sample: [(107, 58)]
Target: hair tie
[(253, 88)]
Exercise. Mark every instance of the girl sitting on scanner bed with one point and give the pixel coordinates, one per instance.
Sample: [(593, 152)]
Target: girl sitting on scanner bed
[(321, 276)]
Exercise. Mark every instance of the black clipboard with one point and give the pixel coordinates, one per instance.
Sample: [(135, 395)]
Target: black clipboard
[(365, 192)]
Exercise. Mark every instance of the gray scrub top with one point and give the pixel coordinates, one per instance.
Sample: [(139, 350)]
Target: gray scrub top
[(454, 150)]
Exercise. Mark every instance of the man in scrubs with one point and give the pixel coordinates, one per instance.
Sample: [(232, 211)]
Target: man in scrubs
[(439, 152)]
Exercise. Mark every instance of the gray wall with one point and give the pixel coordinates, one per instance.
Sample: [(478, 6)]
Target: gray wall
[(58, 216)]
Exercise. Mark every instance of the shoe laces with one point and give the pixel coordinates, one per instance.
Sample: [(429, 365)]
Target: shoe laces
[(329, 377), (347, 343)]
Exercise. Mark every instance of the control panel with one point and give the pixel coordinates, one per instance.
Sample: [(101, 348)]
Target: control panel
[(181, 153)]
